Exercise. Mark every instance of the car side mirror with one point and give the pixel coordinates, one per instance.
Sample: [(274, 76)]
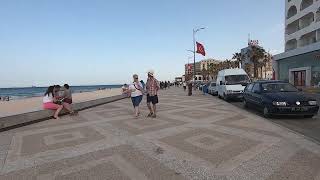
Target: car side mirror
[(220, 82)]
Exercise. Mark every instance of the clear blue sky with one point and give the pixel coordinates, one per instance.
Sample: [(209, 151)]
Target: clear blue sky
[(84, 42)]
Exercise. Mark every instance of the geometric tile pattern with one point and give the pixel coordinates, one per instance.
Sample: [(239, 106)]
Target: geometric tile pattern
[(121, 162), (197, 137)]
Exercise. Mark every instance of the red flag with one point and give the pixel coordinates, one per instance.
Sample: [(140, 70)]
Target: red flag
[(200, 49)]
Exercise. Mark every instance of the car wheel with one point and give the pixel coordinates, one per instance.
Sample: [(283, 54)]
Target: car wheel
[(308, 116), (225, 97), (244, 103), (266, 112)]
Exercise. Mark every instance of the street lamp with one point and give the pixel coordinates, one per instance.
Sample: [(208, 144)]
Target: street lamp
[(194, 51)]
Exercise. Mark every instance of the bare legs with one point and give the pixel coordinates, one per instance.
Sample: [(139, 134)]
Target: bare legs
[(67, 106), (137, 111), (56, 114), (152, 110)]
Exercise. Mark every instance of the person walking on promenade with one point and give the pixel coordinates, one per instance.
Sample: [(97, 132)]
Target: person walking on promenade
[(136, 89), (184, 86), (143, 86), (189, 88), (152, 88)]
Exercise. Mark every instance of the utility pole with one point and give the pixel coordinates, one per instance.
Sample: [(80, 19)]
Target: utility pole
[(194, 51)]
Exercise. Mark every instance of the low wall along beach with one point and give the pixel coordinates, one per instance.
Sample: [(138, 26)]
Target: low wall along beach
[(30, 109)]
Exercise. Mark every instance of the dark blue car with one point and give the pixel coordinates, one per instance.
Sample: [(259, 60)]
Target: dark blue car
[(279, 98)]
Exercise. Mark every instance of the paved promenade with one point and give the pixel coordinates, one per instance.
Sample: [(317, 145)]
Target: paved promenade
[(198, 137)]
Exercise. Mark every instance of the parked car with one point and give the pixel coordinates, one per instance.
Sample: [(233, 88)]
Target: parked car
[(279, 98), (231, 83), (212, 89)]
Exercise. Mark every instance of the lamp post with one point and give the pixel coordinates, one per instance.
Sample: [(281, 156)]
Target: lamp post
[(194, 51)]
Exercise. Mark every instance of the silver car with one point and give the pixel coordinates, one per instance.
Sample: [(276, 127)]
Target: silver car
[(212, 89)]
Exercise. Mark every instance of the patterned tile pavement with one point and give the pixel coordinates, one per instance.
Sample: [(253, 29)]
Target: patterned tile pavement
[(198, 137)]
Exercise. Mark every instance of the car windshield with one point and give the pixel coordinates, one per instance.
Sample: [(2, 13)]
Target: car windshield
[(278, 87), (237, 79)]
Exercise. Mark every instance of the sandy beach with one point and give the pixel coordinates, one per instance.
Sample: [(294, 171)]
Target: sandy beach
[(8, 108)]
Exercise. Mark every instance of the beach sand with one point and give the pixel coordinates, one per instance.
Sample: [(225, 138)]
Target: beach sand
[(8, 108)]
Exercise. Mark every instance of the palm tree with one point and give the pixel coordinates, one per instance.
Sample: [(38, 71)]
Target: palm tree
[(256, 53), (204, 73), (267, 59), (228, 63), (238, 57)]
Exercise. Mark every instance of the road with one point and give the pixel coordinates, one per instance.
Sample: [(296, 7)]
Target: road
[(307, 127)]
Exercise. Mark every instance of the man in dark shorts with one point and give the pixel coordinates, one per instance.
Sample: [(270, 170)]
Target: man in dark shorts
[(152, 88)]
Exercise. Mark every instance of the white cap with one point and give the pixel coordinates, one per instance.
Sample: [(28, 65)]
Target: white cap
[(151, 73)]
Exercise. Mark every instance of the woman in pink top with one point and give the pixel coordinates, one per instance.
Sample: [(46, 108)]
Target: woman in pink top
[(51, 103)]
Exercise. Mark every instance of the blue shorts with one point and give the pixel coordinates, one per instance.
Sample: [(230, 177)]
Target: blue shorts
[(136, 100)]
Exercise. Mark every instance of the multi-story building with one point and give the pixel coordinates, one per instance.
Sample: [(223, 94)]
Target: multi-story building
[(300, 63), (189, 68), (206, 63)]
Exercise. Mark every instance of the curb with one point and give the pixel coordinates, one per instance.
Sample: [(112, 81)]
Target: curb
[(14, 121)]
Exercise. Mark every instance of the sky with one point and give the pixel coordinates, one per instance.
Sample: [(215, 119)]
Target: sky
[(88, 42)]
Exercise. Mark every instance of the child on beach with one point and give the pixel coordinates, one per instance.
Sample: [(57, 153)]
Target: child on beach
[(50, 102), (136, 90)]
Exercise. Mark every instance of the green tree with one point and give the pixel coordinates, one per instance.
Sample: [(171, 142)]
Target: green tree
[(238, 57), (257, 54)]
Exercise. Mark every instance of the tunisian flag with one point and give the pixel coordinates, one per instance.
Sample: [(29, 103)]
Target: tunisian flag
[(200, 49)]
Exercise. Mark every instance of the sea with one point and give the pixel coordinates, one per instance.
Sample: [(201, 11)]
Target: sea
[(27, 92)]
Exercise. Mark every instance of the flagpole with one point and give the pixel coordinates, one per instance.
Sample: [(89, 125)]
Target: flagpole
[(194, 51), (194, 55)]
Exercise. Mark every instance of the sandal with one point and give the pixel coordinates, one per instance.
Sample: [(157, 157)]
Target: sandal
[(150, 114), (73, 113)]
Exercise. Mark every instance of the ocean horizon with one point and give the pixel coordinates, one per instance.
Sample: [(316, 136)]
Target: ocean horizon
[(27, 92)]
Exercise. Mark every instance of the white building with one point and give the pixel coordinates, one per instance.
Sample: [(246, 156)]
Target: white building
[(300, 63), (302, 23)]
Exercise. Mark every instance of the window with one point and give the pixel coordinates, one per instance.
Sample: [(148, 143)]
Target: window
[(278, 87), (305, 4), (256, 88), (249, 88), (237, 79), (291, 12)]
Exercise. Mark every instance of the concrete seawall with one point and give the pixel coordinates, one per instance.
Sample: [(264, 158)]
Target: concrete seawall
[(9, 122)]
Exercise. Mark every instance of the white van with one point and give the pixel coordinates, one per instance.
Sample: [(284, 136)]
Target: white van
[(231, 83)]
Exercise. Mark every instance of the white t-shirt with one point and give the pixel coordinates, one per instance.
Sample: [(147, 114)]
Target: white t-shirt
[(47, 98), (134, 89)]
